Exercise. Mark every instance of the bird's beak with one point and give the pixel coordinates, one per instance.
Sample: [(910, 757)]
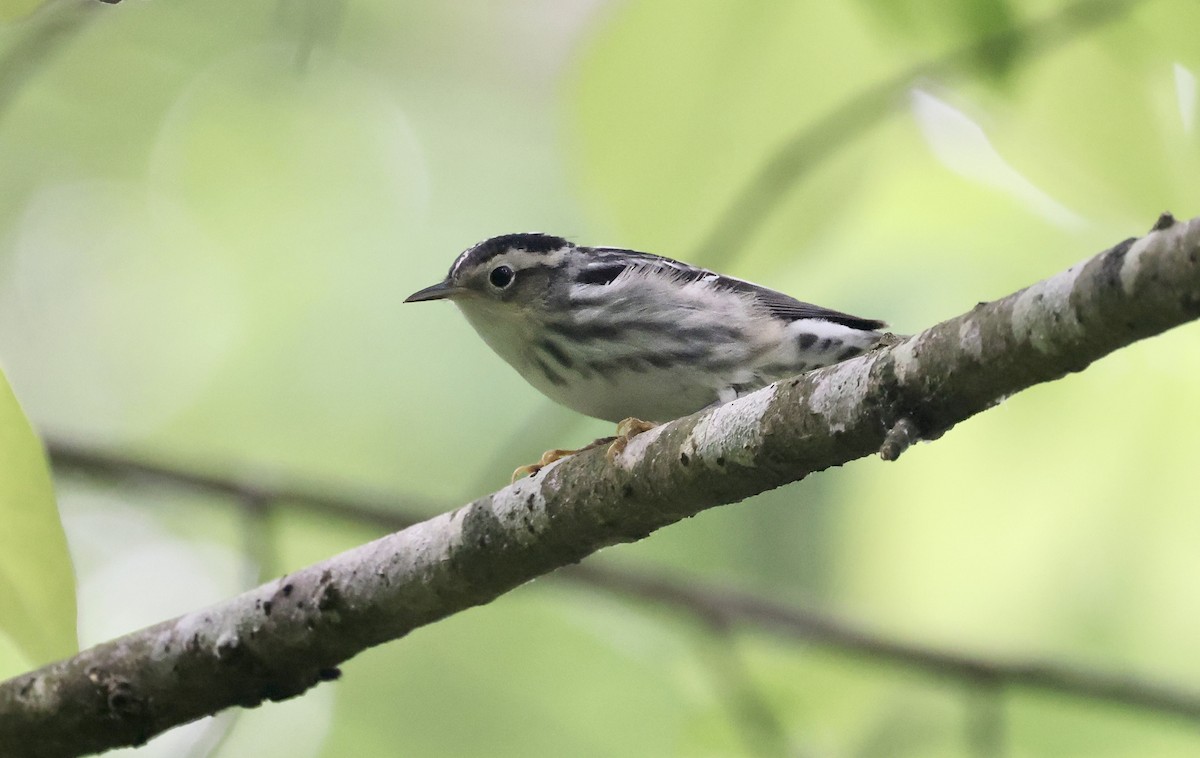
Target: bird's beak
[(439, 291)]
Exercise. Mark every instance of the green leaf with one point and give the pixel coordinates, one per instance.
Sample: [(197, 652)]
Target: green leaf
[(37, 582), (13, 659)]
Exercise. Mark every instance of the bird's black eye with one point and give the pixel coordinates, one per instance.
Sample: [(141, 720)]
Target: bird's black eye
[(501, 277)]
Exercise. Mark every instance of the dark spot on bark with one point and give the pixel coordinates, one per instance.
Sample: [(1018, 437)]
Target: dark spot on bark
[(684, 459), (805, 340), (121, 698), (119, 695), (1190, 303), (1165, 221), (627, 490), (721, 460), (329, 674), (326, 576), (1111, 262), (330, 599), (266, 607), (286, 590), (227, 649)]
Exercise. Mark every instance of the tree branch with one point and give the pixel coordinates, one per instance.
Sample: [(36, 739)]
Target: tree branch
[(276, 641), (715, 607)]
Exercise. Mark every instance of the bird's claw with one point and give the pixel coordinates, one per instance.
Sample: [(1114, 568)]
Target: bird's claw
[(626, 430), (548, 457)]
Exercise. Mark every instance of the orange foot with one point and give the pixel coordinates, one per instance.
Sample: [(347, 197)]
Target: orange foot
[(626, 430), (550, 456)]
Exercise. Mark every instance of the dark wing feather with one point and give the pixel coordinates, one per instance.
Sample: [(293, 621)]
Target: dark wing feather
[(606, 264), (790, 309)]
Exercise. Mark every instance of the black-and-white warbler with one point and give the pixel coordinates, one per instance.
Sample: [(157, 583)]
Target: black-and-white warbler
[(617, 334)]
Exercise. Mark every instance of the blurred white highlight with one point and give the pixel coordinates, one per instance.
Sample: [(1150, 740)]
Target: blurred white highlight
[(1185, 95), (962, 146)]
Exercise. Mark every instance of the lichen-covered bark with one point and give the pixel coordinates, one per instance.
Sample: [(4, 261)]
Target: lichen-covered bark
[(276, 641)]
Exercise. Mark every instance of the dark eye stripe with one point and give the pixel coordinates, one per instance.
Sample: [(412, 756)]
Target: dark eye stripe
[(603, 274)]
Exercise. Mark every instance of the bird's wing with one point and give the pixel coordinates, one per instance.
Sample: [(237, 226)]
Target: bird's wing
[(607, 263)]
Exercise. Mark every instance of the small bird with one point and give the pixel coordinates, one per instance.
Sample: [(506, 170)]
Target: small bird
[(622, 335)]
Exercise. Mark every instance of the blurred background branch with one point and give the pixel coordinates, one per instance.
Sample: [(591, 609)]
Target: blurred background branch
[(867, 108), (43, 36)]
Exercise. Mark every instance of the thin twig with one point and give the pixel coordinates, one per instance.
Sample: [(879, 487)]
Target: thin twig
[(869, 107)]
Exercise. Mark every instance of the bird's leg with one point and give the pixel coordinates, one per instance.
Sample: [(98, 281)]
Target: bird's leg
[(550, 456), (627, 430)]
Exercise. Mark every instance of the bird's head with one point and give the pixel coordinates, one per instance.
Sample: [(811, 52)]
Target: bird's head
[(511, 274), (509, 288)]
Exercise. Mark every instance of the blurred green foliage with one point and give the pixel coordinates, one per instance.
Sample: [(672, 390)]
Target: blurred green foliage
[(210, 212), (37, 581), (15, 9)]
